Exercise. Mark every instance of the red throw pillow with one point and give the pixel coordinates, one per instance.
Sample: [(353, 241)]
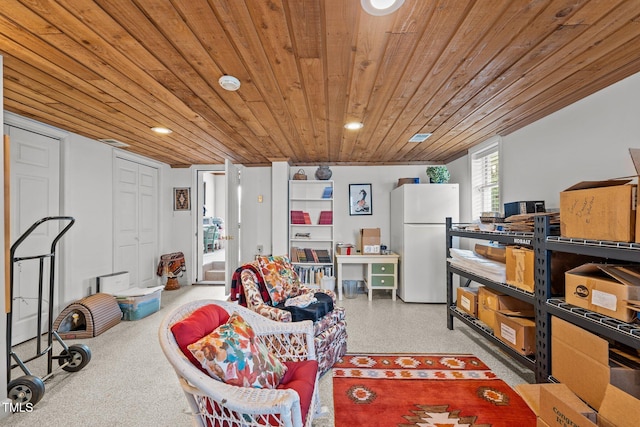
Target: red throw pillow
[(199, 324)]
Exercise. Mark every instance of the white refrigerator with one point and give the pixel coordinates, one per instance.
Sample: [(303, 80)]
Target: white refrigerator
[(418, 235)]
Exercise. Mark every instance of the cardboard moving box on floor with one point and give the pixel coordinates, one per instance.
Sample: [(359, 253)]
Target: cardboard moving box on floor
[(557, 406), (531, 394), (580, 360), (604, 288)]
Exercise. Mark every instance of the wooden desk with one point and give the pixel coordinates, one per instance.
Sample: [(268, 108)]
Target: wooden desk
[(381, 271)]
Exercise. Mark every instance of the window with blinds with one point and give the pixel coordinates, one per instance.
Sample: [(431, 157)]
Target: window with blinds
[(485, 180)]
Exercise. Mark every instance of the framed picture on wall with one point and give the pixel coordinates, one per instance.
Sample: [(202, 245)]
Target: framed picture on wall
[(360, 199), (181, 198)]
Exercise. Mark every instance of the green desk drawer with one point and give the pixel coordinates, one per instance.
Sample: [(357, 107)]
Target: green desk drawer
[(382, 268), (382, 281)]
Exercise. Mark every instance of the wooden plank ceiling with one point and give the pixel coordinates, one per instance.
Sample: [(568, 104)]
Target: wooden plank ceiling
[(461, 70)]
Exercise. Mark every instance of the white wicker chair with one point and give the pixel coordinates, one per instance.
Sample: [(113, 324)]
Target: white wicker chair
[(240, 406)]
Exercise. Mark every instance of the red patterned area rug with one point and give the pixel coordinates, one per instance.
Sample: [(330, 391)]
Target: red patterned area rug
[(436, 390)]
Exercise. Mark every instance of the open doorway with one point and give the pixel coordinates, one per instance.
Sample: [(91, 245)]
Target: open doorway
[(212, 247), (220, 207)]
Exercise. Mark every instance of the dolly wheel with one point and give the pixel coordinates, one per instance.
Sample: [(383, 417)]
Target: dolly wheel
[(26, 390), (80, 356)]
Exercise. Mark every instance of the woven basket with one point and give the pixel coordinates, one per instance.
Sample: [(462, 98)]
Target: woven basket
[(300, 175)]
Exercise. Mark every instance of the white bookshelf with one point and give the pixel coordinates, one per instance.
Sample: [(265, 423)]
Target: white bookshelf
[(306, 196)]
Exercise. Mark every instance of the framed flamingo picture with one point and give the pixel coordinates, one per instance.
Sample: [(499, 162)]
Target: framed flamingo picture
[(360, 199)]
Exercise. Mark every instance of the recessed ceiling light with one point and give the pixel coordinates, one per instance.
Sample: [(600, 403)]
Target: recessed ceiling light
[(381, 7), (161, 130), (229, 83), (353, 126)]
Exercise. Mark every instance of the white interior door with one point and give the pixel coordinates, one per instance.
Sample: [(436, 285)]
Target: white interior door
[(35, 189), (232, 222), (136, 221)]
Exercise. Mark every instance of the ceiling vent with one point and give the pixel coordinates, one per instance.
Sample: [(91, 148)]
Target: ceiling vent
[(419, 137), (114, 143)]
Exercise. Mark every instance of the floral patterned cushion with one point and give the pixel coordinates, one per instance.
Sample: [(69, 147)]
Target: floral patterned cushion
[(232, 354), (279, 277)]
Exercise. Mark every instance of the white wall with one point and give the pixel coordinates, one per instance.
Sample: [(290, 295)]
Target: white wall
[(255, 216), (586, 141), (178, 227), (87, 188)]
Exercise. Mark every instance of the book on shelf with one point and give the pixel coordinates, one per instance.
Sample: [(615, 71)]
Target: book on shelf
[(326, 218), (327, 193), (313, 274), (323, 256), (297, 217), (310, 255), (301, 255), (307, 218)]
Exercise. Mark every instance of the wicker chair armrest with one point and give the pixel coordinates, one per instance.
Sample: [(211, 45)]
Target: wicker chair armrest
[(248, 400)]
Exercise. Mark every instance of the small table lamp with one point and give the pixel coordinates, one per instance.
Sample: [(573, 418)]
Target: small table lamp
[(173, 266)]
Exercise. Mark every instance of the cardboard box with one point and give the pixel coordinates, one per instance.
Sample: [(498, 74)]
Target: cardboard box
[(618, 409), (520, 268), (490, 301), (531, 394), (467, 300), (494, 252), (599, 210), (580, 360), (345, 249), (369, 241), (604, 288), (540, 423), (559, 406), (517, 330)]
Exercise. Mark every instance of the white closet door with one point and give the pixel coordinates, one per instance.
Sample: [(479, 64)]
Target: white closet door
[(35, 190), (136, 221)]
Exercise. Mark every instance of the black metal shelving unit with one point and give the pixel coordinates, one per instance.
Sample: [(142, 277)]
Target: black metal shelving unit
[(518, 238), (544, 243), (614, 329)]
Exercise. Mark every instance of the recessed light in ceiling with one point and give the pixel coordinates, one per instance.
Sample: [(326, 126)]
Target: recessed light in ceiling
[(381, 7), (419, 137), (353, 125), (229, 83), (161, 130)]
